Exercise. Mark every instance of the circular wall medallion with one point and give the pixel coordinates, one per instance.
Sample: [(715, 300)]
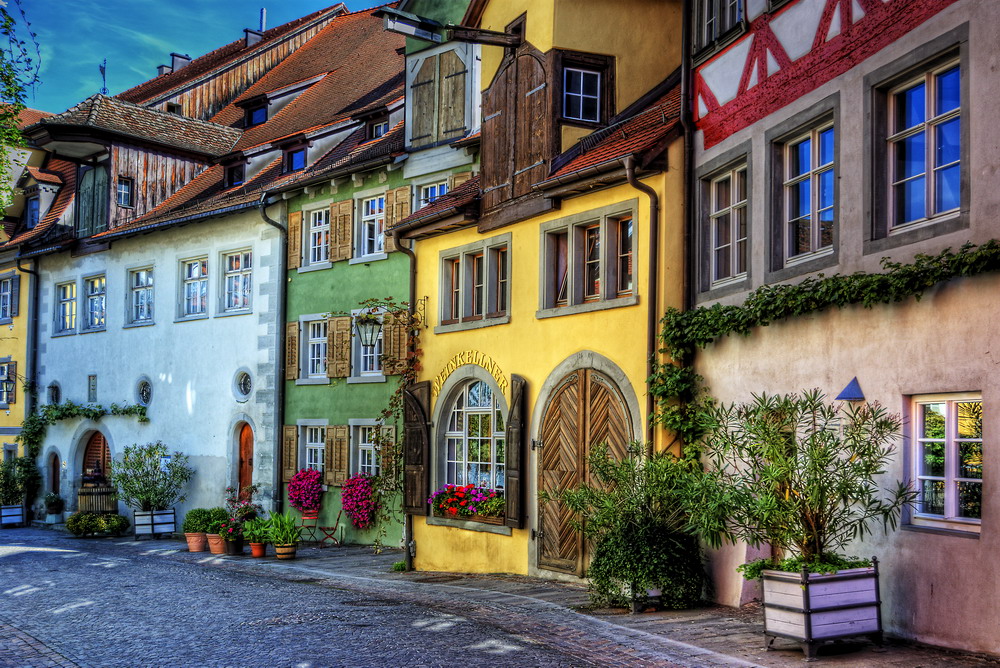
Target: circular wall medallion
[(144, 391), (243, 385)]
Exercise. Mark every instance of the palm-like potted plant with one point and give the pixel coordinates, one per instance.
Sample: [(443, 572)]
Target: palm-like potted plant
[(150, 481), (195, 529), (284, 535), (801, 475), (213, 525), (257, 532)]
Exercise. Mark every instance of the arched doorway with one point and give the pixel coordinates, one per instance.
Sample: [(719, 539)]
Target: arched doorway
[(245, 475), (586, 408), (96, 461), (54, 473)]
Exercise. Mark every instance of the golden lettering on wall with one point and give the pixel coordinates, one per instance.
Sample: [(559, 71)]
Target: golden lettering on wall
[(469, 357)]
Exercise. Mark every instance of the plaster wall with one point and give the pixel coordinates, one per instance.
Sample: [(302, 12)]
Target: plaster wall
[(14, 343)]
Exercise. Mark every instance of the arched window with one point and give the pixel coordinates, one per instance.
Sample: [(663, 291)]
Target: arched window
[(474, 445)]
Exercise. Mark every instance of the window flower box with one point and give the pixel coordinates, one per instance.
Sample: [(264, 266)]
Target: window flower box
[(153, 522), (470, 503)]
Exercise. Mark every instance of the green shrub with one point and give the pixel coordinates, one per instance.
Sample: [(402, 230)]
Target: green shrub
[(399, 566), (11, 492), (215, 519), (115, 525), (89, 523), (145, 482), (196, 520)]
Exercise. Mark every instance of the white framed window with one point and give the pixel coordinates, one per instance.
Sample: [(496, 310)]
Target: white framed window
[(194, 287), (581, 95), (140, 283), (6, 298), (365, 360), (475, 283), (947, 460), (924, 141), (32, 212), (430, 193), (377, 128), (66, 307), (367, 449), (715, 18), (315, 447), (475, 440), (588, 262), (123, 191), (319, 236), (728, 213), (95, 293), (238, 280), (316, 341), (808, 192), (372, 227)]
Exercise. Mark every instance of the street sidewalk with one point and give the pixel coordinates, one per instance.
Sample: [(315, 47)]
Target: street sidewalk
[(708, 636)]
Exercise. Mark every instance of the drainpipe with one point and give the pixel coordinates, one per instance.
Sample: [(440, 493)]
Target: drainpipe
[(279, 385), (652, 304), (688, 129), (32, 342), (408, 544)]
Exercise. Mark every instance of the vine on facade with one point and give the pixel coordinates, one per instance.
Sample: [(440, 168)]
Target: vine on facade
[(37, 423), (19, 67)]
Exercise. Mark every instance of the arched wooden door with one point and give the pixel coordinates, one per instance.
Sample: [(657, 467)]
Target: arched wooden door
[(585, 409), (246, 458), (54, 473), (96, 460)]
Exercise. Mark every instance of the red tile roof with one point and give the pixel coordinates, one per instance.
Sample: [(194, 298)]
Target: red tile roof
[(43, 176), (124, 118), (453, 202), (219, 58), (66, 171), (30, 117)]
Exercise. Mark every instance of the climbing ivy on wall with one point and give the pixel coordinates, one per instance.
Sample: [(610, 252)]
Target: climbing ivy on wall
[(35, 425), (681, 401)]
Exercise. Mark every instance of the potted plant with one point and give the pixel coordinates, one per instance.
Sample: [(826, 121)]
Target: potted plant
[(150, 481), (54, 505), (284, 535), (216, 518), (11, 495), (468, 502), (232, 533), (800, 475), (257, 531), (195, 529), (305, 492), (240, 503)]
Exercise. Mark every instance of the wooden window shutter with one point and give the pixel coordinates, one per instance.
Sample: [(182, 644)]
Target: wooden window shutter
[(338, 454), (515, 465), (423, 120), (343, 230), (295, 240), (455, 180), (497, 143), (451, 116), (397, 207), (289, 451), (395, 342), (416, 448), (390, 209), (530, 137), (15, 296), (291, 350), (338, 347), (331, 239)]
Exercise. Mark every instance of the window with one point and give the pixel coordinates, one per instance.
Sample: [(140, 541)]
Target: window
[(475, 283), (366, 360), (367, 449), (238, 280), (474, 447), (589, 261), (319, 236), (581, 95), (315, 441), (66, 308), (7, 368), (925, 146), (315, 362), (235, 175), (377, 128), (92, 200), (808, 192), (194, 281), (256, 115), (124, 191), (728, 226), (95, 289), (372, 226), (140, 283), (174, 108), (295, 159), (948, 460), (715, 18), (430, 193), (31, 212), (6, 298)]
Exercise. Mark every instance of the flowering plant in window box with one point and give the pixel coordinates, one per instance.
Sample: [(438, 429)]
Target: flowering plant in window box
[(469, 502), (358, 500), (305, 491)]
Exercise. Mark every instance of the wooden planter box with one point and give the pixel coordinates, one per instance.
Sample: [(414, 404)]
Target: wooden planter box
[(10, 515), (153, 522), (812, 608)]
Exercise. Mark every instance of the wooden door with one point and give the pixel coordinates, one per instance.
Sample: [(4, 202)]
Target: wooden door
[(96, 460), (246, 459), (585, 409), (54, 473)]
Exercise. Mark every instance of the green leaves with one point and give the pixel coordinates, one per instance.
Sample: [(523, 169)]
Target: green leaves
[(146, 480), (35, 425)]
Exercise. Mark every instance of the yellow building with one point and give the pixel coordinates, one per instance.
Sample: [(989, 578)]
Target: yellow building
[(535, 278)]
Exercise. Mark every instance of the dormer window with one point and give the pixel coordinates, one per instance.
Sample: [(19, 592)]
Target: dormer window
[(174, 108), (234, 175), (256, 115), (123, 191), (295, 159), (585, 87), (581, 95), (377, 128), (31, 212)]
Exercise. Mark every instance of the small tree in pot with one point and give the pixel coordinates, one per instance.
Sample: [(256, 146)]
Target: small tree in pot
[(151, 481), (11, 494)]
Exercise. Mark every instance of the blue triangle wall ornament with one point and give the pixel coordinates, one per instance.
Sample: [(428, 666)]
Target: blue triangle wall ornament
[(852, 392)]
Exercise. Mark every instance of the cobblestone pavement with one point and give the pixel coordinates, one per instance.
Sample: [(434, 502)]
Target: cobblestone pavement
[(65, 601)]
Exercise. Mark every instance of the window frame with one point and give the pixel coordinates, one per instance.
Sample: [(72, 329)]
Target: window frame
[(303, 354), (440, 190), (376, 249), (184, 281), (314, 344), (703, 41), (309, 246), (32, 211), (128, 190), (244, 276), (715, 212), (590, 63), (5, 399), (6, 299), (359, 356), (65, 322), (302, 446), (250, 119), (582, 94), (447, 432), (361, 447), (813, 175), (458, 281), (88, 297), (132, 319), (733, 160), (232, 180), (378, 128), (289, 159)]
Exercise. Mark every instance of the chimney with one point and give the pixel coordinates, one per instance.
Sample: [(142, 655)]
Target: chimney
[(163, 69), (263, 19), (178, 61), (251, 37)]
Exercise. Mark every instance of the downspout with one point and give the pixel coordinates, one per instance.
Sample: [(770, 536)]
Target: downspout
[(688, 132), (409, 547), (652, 304), (279, 385), (32, 342)]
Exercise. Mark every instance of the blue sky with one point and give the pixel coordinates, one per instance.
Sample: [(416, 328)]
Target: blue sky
[(136, 36)]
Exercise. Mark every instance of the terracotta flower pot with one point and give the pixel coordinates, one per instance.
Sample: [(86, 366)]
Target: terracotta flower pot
[(234, 547), (258, 549), (216, 543), (197, 542), (285, 551)]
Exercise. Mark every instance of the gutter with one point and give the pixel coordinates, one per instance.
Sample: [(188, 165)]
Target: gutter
[(688, 131), (279, 356), (653, 302), (176, 221), (32, 343)]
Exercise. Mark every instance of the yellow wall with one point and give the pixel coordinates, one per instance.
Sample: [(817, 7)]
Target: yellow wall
[(458, 550), (14, 343)]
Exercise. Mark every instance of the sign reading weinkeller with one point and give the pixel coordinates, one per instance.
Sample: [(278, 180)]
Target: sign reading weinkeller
[(469, 357)]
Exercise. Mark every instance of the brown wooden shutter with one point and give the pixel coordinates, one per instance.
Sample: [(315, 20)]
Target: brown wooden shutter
[(496, 145), (338, 454), (515, 464), (423, 110), (295, 240), (331, 238), (12, 373), (289, 451), (339, 364), (291, 350), (395, 342), (530, 137), (451, 114), (397, 207), (455, 180), (416, 448), (388, 245), (343, 230), (15, 296)]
